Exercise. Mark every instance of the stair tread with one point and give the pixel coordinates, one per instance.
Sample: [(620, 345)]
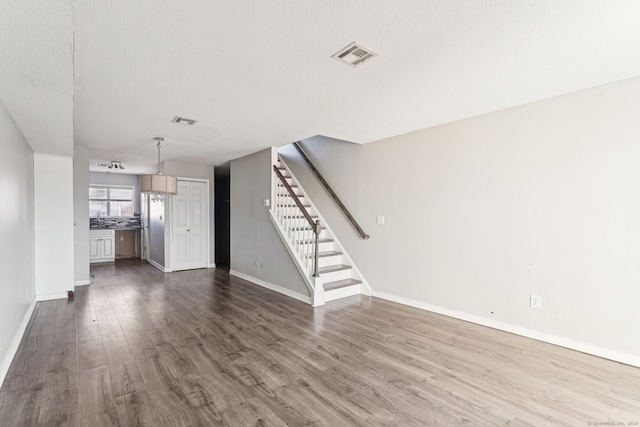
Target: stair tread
[(341, 284), (333, 268), (306, 228), (320, 240), (326, 254)]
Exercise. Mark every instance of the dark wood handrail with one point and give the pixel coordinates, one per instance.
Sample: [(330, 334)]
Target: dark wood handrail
[(295, 198), (333, 195)]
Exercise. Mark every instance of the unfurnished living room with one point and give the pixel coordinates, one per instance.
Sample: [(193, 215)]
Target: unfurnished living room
[(331, 213)]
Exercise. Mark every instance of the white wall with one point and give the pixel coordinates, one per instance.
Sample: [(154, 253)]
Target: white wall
[(540, 199), (54, 251), (81, 215), (17, 251), (254, 239)]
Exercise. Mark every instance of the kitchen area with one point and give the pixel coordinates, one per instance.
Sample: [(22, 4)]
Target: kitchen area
[(172, 234), (114, 238), (115, 221)]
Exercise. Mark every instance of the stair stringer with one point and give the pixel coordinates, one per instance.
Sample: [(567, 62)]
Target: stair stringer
[(365, 289), (315, 284)]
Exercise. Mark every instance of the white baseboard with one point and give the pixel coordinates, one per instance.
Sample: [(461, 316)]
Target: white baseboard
[(156, 265), (271, 286), (82, 282), (212, 265), (53, 295), (583, 347), (15, 342)]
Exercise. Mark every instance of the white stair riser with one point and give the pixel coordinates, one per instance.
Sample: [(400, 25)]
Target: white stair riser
[(330, 260), (326, 246), (336, 275), (347, 291)]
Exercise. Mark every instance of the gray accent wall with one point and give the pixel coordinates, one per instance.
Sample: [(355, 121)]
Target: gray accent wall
[(254, 239), (81, 214), (17, 227), (481, 213)]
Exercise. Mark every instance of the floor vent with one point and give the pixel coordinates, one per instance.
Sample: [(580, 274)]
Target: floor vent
[(354, 55)]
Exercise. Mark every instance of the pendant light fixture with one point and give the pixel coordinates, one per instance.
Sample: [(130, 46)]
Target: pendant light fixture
[(157, 185)]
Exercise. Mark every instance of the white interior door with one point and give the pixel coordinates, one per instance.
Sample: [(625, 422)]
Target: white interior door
[(190, 238), (198, 224)]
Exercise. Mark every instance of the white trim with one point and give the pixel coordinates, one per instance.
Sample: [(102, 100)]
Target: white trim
[(54, 295), (271, 286), (212, 265), (580, 346), (15, 342), (82, 282), (158, 266)]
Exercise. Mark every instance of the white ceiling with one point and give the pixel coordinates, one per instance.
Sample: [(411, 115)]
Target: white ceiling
[(111, 75)]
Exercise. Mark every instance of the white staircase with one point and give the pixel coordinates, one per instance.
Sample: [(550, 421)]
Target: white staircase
[(337, 276)]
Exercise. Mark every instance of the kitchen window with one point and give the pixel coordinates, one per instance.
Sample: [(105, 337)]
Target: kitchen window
[(110, 200)]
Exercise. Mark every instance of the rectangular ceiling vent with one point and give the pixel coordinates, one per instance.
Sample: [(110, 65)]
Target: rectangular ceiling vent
[(183, 121), (354, 55)]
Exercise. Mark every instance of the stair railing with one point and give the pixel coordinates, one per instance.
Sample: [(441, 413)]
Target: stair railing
[(297, 223), (332, 193)]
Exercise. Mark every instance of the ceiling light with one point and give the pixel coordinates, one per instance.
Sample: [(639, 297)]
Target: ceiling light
[(111, 165), (115, 165), (354, 54), (183, 121), (157, 185)]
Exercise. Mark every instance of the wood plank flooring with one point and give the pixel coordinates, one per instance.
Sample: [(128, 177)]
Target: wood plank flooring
[(202, 348)]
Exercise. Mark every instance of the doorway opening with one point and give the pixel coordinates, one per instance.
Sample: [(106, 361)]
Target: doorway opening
[(222, 219)]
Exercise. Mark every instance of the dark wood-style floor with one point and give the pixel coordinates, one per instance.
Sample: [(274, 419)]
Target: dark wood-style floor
[(201, 348)]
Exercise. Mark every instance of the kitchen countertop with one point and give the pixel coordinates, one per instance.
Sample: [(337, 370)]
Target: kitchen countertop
[(116, 228)]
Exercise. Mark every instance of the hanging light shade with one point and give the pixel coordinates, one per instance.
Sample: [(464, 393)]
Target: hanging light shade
[(158, 185)]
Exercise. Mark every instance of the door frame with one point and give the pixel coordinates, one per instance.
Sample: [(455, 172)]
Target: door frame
[(169, 225)]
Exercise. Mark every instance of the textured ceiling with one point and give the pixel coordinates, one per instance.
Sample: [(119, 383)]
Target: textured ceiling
[(259, 73), (36, 71)]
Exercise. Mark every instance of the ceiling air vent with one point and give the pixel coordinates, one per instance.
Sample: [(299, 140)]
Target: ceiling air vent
[(183, 121), (354, 55)]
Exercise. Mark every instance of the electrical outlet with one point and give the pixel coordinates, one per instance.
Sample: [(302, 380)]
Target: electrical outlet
[(266, 202), (380, 219), (535, 301)]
